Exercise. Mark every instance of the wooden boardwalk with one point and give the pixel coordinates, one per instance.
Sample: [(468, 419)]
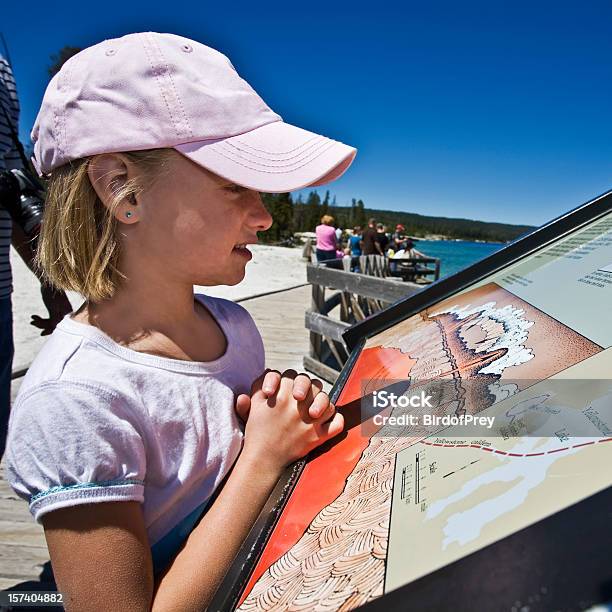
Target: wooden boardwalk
[(23, 551)]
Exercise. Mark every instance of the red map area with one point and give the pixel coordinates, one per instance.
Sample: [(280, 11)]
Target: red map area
[(324, 476), (374, 369)]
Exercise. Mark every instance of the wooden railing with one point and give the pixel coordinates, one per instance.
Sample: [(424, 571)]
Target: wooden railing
[(341, 298)]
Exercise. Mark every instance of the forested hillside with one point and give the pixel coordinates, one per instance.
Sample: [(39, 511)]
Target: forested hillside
[(299, 216)]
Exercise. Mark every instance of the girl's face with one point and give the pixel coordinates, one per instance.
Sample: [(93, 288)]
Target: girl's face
[(193, 226)]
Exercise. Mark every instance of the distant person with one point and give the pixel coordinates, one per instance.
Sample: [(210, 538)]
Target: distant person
[(354, 248), (406, 251), (355, 241), (409, 250), (19, 224), (381, 238), (370, 245), (398, 237), (326, 239), (339, 233)]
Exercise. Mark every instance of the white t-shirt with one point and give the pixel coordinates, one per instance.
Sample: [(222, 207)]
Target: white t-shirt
[(95, 421)]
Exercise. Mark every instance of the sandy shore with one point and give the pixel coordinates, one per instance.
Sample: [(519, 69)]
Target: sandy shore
[(271, 269)]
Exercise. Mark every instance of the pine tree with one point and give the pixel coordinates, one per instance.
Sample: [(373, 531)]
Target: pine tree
[(337, 213), (313, 211), (284, 215), (60, 58), (342, 220), (325, 205), (269, 200), (299, 215), (360, 215), (280, 207)]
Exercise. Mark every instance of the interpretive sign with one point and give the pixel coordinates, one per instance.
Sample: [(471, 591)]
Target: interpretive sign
[(478, 412)]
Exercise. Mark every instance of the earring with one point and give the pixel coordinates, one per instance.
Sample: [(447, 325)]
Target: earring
[(128, 214)]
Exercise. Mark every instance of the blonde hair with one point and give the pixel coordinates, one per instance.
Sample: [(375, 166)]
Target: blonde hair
[(327, 219), (78, 248)]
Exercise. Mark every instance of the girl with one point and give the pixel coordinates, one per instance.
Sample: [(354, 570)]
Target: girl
[(127, 421)]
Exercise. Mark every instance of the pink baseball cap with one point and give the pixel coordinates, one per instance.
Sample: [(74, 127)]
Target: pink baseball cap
[(151, 91)]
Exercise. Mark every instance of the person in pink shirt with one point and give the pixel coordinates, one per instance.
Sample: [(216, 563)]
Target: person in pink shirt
[(326, 239)]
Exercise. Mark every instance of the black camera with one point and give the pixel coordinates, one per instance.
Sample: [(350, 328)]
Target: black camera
[(23, 198)]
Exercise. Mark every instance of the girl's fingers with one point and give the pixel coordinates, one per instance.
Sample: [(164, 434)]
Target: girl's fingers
[(320, 404), (326, 414), (271, 382), (301, 387), (332, 428), (285, 387), (243, 406), (317, 384)]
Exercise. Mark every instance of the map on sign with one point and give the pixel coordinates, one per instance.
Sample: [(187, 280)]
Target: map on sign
[(455, 493), (530, 348)]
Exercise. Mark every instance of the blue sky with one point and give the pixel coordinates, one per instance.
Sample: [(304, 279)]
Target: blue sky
[(500, 111)]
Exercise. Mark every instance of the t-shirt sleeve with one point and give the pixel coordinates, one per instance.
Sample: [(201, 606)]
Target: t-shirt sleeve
[(71, 444)]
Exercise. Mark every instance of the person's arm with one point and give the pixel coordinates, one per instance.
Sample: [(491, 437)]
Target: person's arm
[(23, 245), (106, 580), (198, 569), (55, 300), (378, 247), (100, 552), (83, 542)]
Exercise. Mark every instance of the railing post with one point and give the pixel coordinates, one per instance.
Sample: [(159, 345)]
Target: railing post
[(318, 303)]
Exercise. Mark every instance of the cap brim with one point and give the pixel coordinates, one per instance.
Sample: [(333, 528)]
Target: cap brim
[(274, 158)]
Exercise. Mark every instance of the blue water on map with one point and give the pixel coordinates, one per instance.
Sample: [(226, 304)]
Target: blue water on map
[(455, 255)]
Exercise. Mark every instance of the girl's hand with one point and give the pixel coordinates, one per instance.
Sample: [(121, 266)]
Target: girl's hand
[(301, 383), (281, 427), (269, 382)]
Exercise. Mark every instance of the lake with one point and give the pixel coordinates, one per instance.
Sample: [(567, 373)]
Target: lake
[(456, 255)]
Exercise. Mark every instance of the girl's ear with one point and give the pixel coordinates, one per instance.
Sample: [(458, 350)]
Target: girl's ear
[(110, 174)]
